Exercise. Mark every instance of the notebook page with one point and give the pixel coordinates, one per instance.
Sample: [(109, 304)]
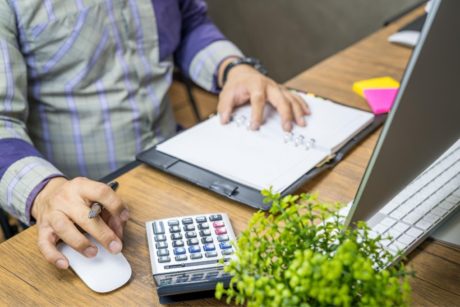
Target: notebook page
[(252, 158), (269, 156)]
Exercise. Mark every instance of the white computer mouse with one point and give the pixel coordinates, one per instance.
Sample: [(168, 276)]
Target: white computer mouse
[(407, 38), (103, 273)]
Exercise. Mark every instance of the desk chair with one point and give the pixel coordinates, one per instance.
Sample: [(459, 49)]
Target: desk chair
[(180, 77)]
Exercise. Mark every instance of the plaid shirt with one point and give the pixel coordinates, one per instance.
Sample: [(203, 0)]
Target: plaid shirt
[(83, 84)]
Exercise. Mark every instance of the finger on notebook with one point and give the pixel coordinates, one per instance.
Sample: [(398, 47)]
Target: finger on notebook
[(47, 246), (298, 112), (225, 106), (283, 106), (302, 103), (258, 100)]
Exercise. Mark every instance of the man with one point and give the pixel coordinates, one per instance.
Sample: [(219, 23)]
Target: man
[(83, 89)]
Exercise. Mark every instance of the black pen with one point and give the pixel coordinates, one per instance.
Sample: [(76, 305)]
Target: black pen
[(96, 208)]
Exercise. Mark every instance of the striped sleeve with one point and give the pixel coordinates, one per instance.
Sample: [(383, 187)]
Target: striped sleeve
[(23, 171), (203, 47)]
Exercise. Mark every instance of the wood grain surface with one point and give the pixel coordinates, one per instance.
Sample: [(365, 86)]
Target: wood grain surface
[(26, 279)]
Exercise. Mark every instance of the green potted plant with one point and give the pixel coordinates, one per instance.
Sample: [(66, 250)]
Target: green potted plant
[(300, 254)]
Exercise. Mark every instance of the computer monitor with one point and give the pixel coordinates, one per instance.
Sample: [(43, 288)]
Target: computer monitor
[(425, 119)]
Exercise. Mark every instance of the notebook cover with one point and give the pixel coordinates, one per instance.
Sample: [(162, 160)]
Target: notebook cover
[(235, 190)]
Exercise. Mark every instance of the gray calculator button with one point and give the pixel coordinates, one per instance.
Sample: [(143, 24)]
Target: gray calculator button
[(200, 219), (215, 217), (190, 234), (177, 243), (161, 245), (227, 251), (205, 233), (211, 254), (206, 240), (158, 228), (196, 256), (190, 227), (174, 229), (160, 238), (193, 241), (181, 257), (203, 226), (163, 252), (222, 238), (173, 223), (187, 221), (179, 251), (176, 236), (164, 259)]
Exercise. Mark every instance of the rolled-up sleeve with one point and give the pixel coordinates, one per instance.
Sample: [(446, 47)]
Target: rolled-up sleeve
[(23, 170), (203, 47)]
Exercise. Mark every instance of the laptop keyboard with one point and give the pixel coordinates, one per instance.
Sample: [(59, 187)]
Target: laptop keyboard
[(411, 215)]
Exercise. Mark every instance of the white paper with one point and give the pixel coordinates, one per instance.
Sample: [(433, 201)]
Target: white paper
[(263, 159)]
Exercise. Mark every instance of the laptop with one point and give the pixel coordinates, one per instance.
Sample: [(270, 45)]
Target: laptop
[(412, 182)]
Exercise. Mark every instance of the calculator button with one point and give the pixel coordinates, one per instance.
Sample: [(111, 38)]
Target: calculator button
[(181, 257), (173, 223), (161, 245), (218, 224), (211, 254), (222, 238), (221, 231), (201, 219), (193, 241), (160, 238), (190, 227), (205, 233), (194, 249), (209, 247), (187, 221), (158, 228), (215, 217), (227, 251), (225, 245), (174, 229), (203, 226), (177, 243), (176, 236), (164, 259), (206, 240), (179, 251), (196, 256), (190, 234), (163, 252)]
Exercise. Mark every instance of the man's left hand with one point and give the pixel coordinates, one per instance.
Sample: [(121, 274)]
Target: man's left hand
[(245, 84)]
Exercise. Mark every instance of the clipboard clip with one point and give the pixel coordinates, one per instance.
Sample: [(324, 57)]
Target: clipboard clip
[(223, 188)]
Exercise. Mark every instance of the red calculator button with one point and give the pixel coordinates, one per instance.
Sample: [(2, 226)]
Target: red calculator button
[(218, 224), (221, 231)]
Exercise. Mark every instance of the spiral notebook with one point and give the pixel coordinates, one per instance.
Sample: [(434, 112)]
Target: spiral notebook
[(235, 161)]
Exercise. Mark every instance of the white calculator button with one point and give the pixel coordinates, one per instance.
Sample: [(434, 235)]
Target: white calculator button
[(215, 217), (196, 256), (203, 226), (161, 245), (173, 223), (222, 238), (201, 219), (160, 238), (164, 259), (193, 241), (190, 227), (174, 229), (206, 240), (177, 243), (176, 236), (187, 221), (190, 234), (227, 251), (211, 254), (181, 258), (205, 233)]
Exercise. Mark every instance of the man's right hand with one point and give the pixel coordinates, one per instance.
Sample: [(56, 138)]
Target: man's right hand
[(63, 204)]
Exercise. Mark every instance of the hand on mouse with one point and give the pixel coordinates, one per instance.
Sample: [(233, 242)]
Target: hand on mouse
[(63, 204)]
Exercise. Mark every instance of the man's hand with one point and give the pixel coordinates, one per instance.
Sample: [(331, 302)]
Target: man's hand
[(63, 204), (245, 83)]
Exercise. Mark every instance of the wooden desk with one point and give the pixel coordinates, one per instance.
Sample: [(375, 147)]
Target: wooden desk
[(26, 279)]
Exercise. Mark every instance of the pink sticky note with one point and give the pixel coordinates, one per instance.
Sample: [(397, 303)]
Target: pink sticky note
[(380, 100)]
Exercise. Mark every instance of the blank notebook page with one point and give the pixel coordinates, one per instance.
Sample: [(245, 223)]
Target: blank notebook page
[(267, 157)]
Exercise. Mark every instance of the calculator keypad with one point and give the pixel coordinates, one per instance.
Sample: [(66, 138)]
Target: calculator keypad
[(180, 243)]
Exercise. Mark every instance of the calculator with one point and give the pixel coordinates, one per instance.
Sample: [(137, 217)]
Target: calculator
[(186, 252)]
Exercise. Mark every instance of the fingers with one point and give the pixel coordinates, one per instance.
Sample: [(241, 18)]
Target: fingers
[(258, 100), (93, 191), (302, 103), (225, 106), (283, 105), (297, 109), (97, 228), (66, 230), (47, 246)]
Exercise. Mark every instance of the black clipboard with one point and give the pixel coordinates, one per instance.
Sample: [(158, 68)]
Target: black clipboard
[(235, 190)]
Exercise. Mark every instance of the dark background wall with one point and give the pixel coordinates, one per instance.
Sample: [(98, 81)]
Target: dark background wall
[(292, 35)]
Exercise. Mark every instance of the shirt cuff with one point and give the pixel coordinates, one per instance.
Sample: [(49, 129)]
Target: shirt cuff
[(22, 182), (204, 67)]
